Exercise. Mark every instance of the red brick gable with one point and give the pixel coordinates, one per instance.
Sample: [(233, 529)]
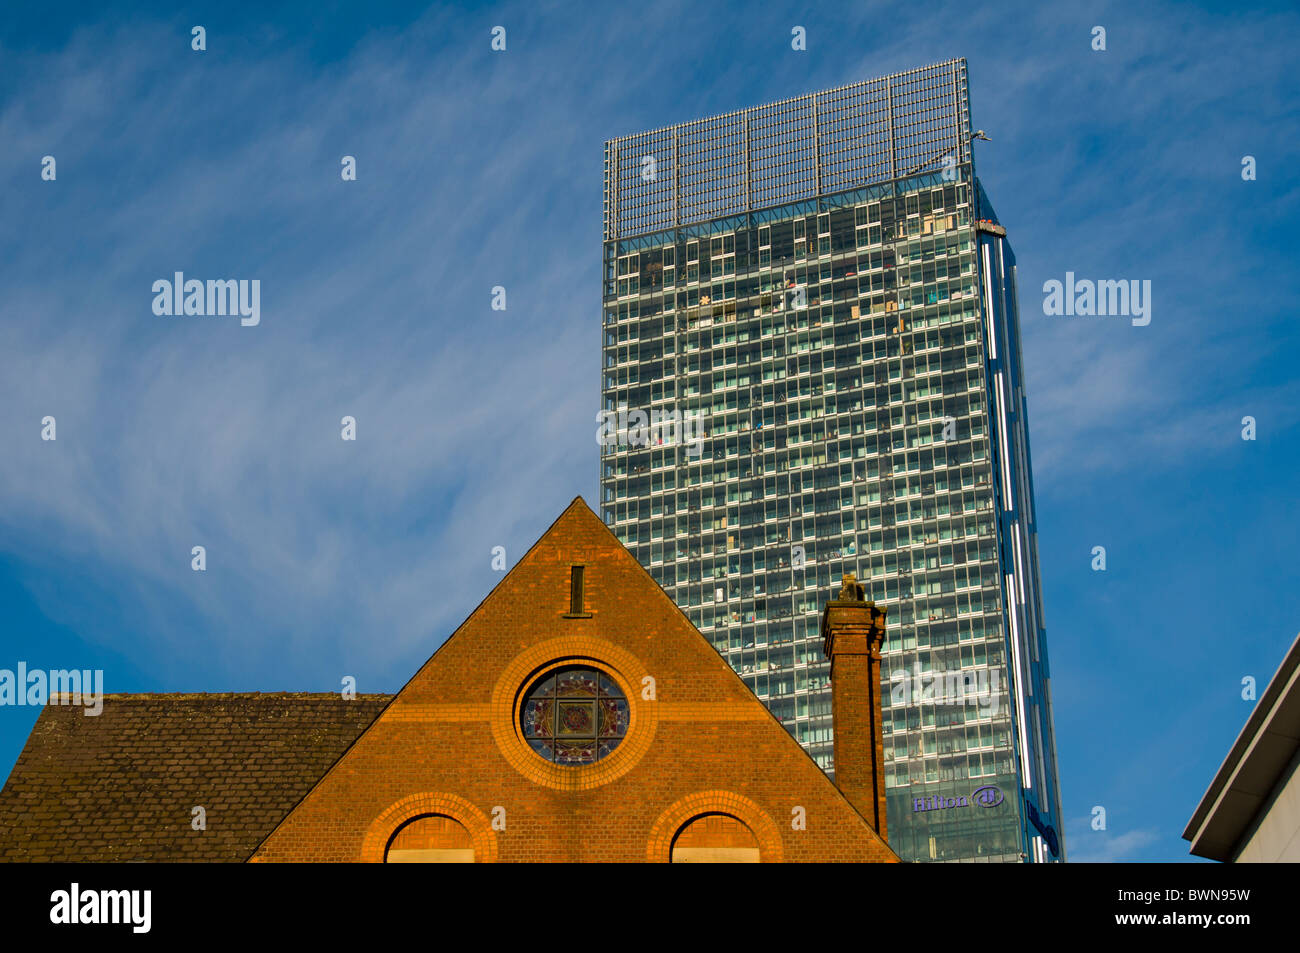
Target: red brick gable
[(699, 741)]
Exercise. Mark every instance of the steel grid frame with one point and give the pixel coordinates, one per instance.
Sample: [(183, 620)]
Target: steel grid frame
[(865, 133)]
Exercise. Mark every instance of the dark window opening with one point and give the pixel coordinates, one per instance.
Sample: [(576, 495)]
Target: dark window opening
[(575, 590)]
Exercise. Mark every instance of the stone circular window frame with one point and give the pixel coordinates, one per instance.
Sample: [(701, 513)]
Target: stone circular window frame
[(624, 668)]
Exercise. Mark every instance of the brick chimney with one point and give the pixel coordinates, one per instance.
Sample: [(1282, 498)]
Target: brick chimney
[(853, 630)]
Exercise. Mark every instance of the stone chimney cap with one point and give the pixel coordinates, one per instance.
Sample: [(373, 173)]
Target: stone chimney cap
[(851, 591)]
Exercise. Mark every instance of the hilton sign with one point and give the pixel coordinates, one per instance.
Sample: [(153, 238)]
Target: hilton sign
[(987, 796)]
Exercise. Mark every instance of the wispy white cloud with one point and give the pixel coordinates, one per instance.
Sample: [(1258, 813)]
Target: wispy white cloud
[(1087, 846), (475, 426), (1125, 164)]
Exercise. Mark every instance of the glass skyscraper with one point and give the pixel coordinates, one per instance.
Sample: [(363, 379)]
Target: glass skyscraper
[(811, 367)]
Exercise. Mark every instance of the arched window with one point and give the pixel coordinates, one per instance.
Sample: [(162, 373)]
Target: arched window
[(430, 839), (715, 839)]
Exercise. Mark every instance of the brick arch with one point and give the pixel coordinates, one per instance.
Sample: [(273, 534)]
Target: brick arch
[(412, 806), (659, 847), (622, 665)]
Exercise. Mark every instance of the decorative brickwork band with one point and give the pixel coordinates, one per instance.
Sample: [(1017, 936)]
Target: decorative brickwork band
[(659, 848), (853, 631)]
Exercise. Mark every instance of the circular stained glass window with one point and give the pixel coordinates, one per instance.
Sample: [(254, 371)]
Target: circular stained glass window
[(574, 715)]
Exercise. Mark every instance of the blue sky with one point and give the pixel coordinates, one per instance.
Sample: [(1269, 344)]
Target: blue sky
[(475, 426)]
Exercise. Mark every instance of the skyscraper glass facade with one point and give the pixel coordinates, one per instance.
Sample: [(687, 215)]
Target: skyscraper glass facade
[(811, 367)]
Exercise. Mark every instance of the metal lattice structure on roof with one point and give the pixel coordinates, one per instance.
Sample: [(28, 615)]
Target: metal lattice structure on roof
[(820, 143)]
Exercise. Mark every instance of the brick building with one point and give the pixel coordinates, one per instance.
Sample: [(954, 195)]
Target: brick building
[(576, 715)]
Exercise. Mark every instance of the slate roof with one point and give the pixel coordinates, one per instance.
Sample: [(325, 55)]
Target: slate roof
[(120, 786)]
